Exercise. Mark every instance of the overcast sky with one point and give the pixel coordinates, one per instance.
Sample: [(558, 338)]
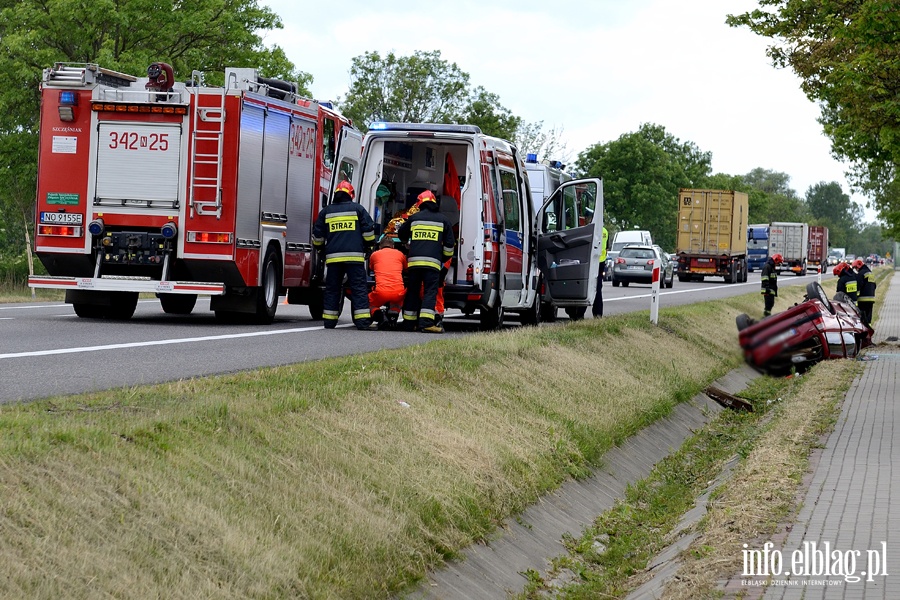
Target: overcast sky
[(593, 69)]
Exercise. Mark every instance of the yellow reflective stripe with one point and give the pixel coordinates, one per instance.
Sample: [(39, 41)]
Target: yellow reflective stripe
[(342, 259), (437, 228), (423, 263)]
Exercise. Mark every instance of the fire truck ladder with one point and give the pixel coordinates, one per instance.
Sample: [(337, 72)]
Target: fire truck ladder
[(207, 135)]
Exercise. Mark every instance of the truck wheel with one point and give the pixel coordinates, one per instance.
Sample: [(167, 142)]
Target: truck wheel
[(684, 278), (490, 319), (316, 305), (122, 306), (729, 278), (267, 293), (89, 311), (177, 304)]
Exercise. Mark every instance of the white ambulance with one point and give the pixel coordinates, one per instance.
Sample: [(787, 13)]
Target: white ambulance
[(509, 248)]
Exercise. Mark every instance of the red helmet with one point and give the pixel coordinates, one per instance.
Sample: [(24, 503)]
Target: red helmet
[(858, 263), (839, 268), (426, 196), (344, 186), (777, 259)]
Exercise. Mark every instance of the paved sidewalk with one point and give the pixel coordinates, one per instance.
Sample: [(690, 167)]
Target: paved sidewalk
[(853, 502)]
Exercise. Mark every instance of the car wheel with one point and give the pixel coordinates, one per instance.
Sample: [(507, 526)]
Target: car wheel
[(532, 315), (744, 321), (576, 313), (615, 283), (548, 312), (490, 319), (624, 284), (814, 290)]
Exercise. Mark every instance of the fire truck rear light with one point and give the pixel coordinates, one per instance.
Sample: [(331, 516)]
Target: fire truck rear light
[(139, 107), (96, 227), (59, 230), (206, 237), (169, 230), (68, 100), (66, 113)]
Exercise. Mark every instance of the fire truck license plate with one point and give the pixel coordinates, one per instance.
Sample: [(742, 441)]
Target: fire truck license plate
[(58, 218)]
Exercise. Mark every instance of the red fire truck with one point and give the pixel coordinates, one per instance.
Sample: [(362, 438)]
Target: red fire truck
[(178, 189)]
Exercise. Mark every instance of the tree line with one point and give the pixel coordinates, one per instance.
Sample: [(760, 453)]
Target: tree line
[(642, 170)]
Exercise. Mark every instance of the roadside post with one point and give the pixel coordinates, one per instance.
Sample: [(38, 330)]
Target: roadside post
[(654, 294), (819, 274)]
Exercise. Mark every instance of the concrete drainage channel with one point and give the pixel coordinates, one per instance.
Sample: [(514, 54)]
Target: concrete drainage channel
[(532, 539)]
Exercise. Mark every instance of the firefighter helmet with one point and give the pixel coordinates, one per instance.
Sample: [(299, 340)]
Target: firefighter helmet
[(344, 186), (426, 196), (858, 263), (839, 268), (777, 259)]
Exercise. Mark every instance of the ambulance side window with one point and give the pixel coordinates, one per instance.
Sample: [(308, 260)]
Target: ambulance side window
[(510, 201), (346, 171), (328, 143)]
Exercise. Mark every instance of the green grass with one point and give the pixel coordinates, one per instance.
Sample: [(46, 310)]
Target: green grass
[(314, 480)]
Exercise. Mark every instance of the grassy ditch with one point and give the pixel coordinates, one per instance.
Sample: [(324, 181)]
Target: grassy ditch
[(772, 445), (342, 478), (608, 559)]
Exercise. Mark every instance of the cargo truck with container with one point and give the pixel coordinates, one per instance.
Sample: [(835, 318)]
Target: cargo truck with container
[(757, 246), (712, 235), (791, 241), (817, 251)]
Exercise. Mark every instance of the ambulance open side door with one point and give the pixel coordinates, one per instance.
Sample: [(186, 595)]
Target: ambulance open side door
[(348, 157), (570, 231)]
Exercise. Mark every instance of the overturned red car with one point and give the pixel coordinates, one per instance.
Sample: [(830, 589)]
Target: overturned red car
[(796, 339)]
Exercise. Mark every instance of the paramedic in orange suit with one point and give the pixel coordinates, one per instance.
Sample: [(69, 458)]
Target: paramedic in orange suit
[(388, 264)]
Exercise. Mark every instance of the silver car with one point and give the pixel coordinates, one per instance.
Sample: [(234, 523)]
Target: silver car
[(635, 265)]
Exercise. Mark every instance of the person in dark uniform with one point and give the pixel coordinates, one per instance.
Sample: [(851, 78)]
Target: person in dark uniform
[(344, 232), (846, 280), (769, 280), (430, 237), (865, 286), (597, 309)]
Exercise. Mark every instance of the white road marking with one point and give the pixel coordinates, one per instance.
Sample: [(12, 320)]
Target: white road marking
[(206, 338)]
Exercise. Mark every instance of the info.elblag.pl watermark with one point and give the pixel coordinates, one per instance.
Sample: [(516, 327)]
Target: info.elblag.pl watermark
[(813, 560)]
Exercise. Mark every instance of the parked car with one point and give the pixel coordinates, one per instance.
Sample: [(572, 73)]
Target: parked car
[(635, 265), (799, 337)]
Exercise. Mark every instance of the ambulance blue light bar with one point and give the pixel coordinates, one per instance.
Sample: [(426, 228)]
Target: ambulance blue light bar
[(424, 127), (531, 158)]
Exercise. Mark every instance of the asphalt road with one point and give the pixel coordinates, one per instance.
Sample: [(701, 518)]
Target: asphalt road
[(45, 350)]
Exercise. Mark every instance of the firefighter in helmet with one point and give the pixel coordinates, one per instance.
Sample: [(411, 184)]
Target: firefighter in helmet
[(769, 280), (865, 287), (430, 237), (846, 280), (345, 233)]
